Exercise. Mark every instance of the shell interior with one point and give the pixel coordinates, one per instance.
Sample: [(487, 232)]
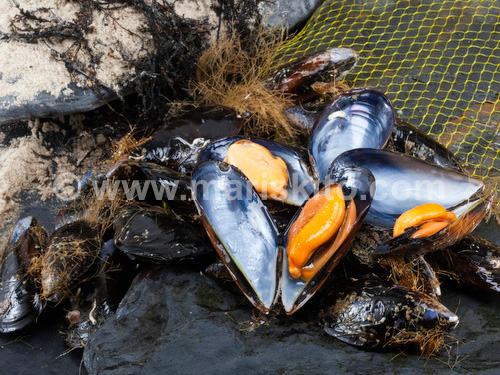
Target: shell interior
[(404, 182), (360, 118), (241, 229), (300, 179)]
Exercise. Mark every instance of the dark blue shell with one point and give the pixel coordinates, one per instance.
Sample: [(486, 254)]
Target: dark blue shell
[(19, 305)]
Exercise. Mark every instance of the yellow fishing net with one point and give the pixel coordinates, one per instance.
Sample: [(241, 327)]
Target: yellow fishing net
[(438, 61)]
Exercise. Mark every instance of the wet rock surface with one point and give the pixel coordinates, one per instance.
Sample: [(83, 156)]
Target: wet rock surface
[(178, 321), (44, 104)]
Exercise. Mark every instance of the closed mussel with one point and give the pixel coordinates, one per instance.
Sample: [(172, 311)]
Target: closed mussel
[(302, 79), (72, 251), (475, 262), (151, 233), (177, 144), (19, 302), (372, 313)]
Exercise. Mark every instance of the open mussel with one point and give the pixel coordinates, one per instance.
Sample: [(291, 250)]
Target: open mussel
[(248, 241), (281, 171), (19, 302), (428, 206), (320, 234), (360, 118), (372, 313)]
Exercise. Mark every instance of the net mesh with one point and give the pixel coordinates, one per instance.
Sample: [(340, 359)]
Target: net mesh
[(439, 62)]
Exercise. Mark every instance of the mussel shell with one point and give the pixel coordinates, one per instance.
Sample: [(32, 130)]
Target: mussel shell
[(72, 251), (164, 185), (404, 182), (97, 300), (151, 233), (475, 210), (240, 228), (19, 305), (207, 122), (178, 143), (303, 117), (357, 184), (296, 77), (174, 153), (361, 118), (300, 179), (370, 312), (409, 140), (475, 262)]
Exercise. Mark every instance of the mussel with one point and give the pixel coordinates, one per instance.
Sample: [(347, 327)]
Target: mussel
[(151, 233), (475, 262), (71, 253), (406, 138), (299, 182), (155, 184), (177, 144), (96, 301), (407, 186), (361, 118), (409, 140), (298, 77), (19, 301), (248, 241), (372, 313)]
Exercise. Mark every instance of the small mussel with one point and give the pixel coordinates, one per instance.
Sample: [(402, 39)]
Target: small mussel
[(302, 117), (71, 253), (475, 262), (361, 118), (96, 301), (298, 77), (249, 243), (178, 143), (19, 302), (151, 233), (155, 184), (372, 313)]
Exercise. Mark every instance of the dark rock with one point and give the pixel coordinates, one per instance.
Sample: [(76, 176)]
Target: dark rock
[(286, 13), (82, 99), (179, 322)]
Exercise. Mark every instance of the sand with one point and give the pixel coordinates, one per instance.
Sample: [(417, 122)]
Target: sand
[(27, 69), (27, 164)]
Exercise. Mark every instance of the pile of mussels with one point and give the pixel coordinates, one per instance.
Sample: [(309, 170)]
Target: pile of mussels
[(366, 188)]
